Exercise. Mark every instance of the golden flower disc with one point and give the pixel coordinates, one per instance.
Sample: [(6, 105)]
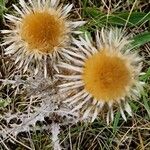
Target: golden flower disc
[(106, 76), (42, 31)]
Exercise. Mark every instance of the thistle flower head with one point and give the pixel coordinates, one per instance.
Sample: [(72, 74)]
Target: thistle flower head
[(43, 31), (107, 76), (38, 30), (102, 75)]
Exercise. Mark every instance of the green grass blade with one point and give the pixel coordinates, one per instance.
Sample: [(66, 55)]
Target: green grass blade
[(146, 103), (116, 121), (2, 8), (146, 76)]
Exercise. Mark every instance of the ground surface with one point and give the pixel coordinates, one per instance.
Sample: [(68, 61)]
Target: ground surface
[(134, 16)]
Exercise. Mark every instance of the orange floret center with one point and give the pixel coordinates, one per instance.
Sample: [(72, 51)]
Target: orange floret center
[(42, 31), (106, 76)]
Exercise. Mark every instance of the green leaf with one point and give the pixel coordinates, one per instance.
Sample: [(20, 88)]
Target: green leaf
[(134, 19), (141, 39), (119, 19), (93, 12)]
